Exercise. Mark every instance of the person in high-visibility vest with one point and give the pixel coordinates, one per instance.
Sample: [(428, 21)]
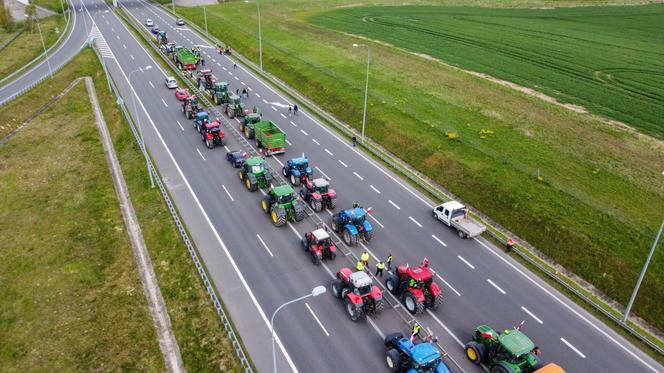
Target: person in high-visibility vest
[(415, 332), (365, 258), (359, 266), (380, 266), (389, 262)]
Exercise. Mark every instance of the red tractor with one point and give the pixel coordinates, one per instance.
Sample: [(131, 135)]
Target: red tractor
[(318, 194), (212, 135), (319, 244), (415, 287), (359, 293), (205, 80)]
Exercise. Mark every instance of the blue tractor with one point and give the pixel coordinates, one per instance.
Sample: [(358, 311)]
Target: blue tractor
[(297, 170), (405, 356), (353, 225)]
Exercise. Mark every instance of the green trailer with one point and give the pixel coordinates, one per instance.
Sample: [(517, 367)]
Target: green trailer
[(269, 137), (184, 58)]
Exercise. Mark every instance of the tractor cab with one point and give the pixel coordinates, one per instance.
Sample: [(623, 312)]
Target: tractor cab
[(512, 348), (202, 117), (361, 283), (284, 194), (424, 357), (252, 118), (191, 100), (301, 164), (418, 277), (320, 237), (212, 126), (254, 165), (235, 100), (320, 186), (221, 87), (516, 347), (170, 47), (357, 215)]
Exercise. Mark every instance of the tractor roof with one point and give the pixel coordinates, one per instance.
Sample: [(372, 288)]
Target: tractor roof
[(356, 212), (515, 342), (221, 84), (320, 234), (453, 205), (255, 161), (234, 97), (213, 124), (424, 353), (205, 71), (299, 161), (320, 183), (253, 116), (420, 273), (283, 190), (202, 114), (360, 279)]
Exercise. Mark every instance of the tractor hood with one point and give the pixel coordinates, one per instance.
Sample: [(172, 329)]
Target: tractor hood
[(424, 353)]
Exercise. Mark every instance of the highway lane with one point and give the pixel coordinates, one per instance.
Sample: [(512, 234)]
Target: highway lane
[(274, 279), (447, 237), (71, 44), (522, 298)]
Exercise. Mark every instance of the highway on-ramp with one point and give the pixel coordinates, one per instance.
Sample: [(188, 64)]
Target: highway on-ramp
[(257, 267)]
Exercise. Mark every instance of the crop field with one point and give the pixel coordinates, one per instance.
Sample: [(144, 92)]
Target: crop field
[(587, 194), (607, 59)]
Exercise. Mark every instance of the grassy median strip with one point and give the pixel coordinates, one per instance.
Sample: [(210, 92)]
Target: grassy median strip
[(28, 45), (587, 194), (203, 342)]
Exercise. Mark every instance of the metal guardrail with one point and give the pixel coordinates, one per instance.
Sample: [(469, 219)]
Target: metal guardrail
[(57, 68), (391, 301), (7, 42), (498, 233), (235, 341)]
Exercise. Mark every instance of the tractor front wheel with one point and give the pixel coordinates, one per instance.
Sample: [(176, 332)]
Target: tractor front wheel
[(241, 175), (368, 236), (334, 225), (209, 144), (354, 312), (265, 205), (411, 303), (294, 180), (316, 205), (337, 288), (348, 238), (392, 283), (393, 360), (247, 183), (279, 216), (475, 352)]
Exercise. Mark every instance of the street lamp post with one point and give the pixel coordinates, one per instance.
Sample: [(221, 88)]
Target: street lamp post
[(643, 273), (138, 122), (260, 34), (318, 290), (366, 87), (205, 16)]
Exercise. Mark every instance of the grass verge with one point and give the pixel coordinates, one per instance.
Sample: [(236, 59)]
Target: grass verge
[(203, 342), (28, 45), (586, 194)]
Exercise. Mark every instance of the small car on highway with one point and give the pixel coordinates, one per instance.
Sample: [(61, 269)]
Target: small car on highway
[(149, 22), (236, 158), (179, 22), (170, 82), (155, 30), (181, 93)]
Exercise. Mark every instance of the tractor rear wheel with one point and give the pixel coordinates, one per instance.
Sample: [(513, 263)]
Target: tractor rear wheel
[(392, 283), (411, 303), (380, 306), (368, 236), (316, 205), (241, 175), (475, 352), (247, 183), (278, 216), (348, 238), (393, 360), (253, 187), (332, 204), (337, 287), (300, 214), (209, 144), (265, 205), (354, 312), (437, 301), (315, 258), (284, 172)]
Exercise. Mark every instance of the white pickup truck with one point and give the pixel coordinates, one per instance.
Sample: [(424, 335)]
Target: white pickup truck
[(455, 215)]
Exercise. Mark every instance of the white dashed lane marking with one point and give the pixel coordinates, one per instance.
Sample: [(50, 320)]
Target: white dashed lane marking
[(342, 163), (496, 286), (573, 348), (358, 175), (394, 204), (465, 261), (374, 189)]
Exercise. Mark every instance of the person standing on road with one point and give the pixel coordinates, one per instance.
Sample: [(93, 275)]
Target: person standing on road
[(354, 141), (380, 266), (415, 332), (295, 109), (389, 261), (365, 258), (234, 65), (359, 266)]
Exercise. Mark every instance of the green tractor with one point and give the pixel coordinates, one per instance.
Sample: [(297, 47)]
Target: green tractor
[(247, 125), (235, 107), (509, 352), (254, 175), (220, 94), (282, 204)]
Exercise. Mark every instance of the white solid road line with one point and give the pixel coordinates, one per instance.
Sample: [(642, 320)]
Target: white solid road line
[(565, 305), (496, 286), (236, 119), (180, 125), (531, 315), (226, 190), (151, 85), (393, 204), (356, 174), (225, 69), (293, 123), (376, 220), (264, 245), (374, 189), (207, 219), (243, 83), (124, 46), (573, 348), (199, 153), (465, 261), (315, 141), (257, 95), (448, 285), (445, 327), (251, 90), (415, 221), (165, 104), (226, 147), (132, 57), (278, 161), (304, 132), (316, 318), (323, 173), (329, 152), (236, 78), (282, 115), (373, 325), (342, 163), (289, 143), (438, 239)]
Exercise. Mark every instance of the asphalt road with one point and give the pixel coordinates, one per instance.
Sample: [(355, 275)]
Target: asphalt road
[(256, 267)]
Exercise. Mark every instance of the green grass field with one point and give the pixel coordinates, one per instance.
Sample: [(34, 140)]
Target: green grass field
[(607, 59), (600, 198), (73, 302), (28, 45)]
